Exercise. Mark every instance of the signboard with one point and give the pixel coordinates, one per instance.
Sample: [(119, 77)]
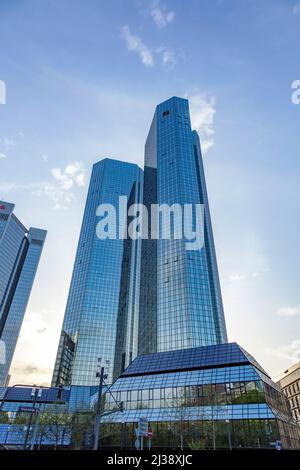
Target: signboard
[(143, 427), (278, 445), (137, 444), (27, 409)]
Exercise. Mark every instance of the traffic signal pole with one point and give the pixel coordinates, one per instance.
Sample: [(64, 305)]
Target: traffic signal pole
[(98, 412)]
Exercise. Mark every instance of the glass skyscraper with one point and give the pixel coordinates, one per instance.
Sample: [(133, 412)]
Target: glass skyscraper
[(20, 251), (101, 318), (180, 296), (130, 297)]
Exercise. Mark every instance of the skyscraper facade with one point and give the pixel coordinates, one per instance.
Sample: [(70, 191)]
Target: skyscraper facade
[(101, 318), (20, 251), (180, 295)]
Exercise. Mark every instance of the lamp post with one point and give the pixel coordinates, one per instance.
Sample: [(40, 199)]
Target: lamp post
[(35, 394), (102, 376), (99, 413), (228, 434)]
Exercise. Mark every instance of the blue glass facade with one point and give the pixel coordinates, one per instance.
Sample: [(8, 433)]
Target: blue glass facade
[(101, 317), (200, 395), (194, 398), (180, 296), (20, 251)]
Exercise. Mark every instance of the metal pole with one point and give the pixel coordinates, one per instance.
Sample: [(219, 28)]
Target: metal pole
[(229, 434), (214, 431), (122, 434), (98, 412), (36, 426), (30, 419)]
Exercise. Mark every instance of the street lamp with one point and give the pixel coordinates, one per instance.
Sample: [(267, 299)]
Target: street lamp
[(36, 393), (99, 414), (227, 421), (100, 373)]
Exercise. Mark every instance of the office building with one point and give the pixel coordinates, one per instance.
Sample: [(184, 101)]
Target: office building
[(200, 398), (20, 251), (289, 382), (207, 397), (180, 296), (101, 317)]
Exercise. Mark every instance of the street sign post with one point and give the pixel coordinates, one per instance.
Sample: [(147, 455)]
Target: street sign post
[(149, 436), (143, 426), (27, 409), (142, 431), (137, 444)]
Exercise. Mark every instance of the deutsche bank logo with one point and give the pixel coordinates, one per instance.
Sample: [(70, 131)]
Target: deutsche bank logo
[(2, 352), (2, 92)]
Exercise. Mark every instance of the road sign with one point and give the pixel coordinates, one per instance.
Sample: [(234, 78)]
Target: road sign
[(27, 409), (143, 427), (278, 445), (137, 444)]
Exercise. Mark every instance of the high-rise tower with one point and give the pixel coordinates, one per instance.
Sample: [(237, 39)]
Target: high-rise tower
[(20, 251), (180, 296), (101, 318)]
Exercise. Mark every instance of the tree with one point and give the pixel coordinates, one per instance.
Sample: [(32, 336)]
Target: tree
[(4, 418), (54, 426), (81, 426), (196, 408)]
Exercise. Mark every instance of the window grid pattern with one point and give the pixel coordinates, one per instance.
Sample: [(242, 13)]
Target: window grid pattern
[(99, 307)]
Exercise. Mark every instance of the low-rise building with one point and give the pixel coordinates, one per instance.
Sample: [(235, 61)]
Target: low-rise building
[(206, 397), (213, 396), (289, 382)]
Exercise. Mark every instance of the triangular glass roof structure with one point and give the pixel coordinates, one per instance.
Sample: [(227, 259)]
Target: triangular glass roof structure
[(204, 357)]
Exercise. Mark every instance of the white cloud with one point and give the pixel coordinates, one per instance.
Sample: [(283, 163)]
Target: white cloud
[(202, 116), (7, 187), (45, 157), (77, 171), (241, 277), (29, 365), (65, 182), (296, 8), (57, 190), (288, 311), (61, 197), (161, 16), (135, 44), (2, 156), (237, 277), (146, 54), (74, 174), (290, 352), (168, 58), (7, 142)]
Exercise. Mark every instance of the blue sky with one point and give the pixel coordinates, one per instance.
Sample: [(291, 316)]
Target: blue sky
[(83, 79)]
